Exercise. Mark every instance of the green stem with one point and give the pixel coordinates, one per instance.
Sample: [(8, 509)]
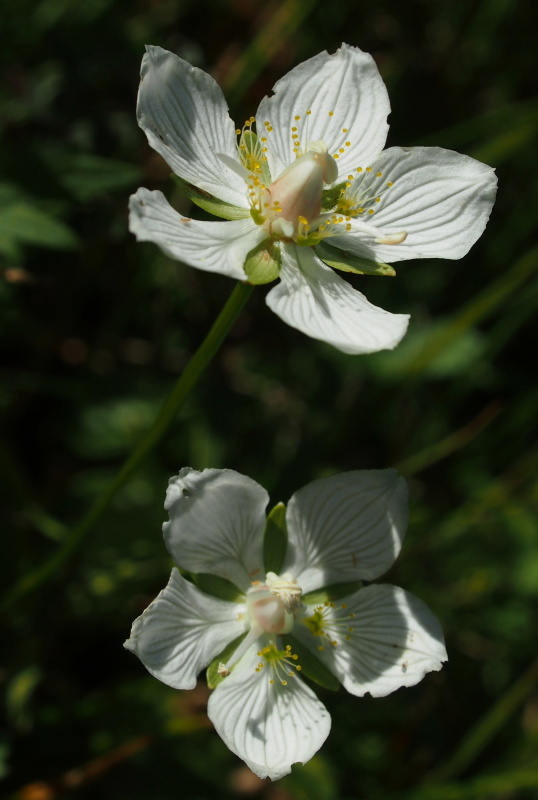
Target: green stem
[(189, 378)]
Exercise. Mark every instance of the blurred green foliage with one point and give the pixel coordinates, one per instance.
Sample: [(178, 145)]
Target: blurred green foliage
[(96, 329)]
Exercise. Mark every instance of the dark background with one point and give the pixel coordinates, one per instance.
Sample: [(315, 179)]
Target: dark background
[(96, 328)]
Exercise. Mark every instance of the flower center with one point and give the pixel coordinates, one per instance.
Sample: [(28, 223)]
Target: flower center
[(294, 199), (270, 609), (271, 605), (290, 207)]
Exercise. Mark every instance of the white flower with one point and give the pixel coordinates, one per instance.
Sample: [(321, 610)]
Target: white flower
[(313, 188), (256, 611)]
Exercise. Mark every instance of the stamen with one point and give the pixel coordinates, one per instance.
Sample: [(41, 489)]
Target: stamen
[(281, 663)]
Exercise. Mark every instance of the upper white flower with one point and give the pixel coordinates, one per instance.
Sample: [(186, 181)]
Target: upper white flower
[(312, 188), (255, 609)]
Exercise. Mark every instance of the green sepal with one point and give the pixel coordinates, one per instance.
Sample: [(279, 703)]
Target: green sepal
[(330, 197), (346, 262), (275, 539), (333, 592), (311, 666), (212, 676), (209, 203), (218, 587), (262, 265)]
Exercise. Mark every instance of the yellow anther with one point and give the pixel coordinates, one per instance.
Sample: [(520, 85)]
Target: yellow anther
[(344, 130), (379, 174), (238, 131), (308, 112), (294, 128), (378, 199), (348, 144), (368, 169), (341, 150), (359, 169), (390, 183), (370, 210), (331, 113)]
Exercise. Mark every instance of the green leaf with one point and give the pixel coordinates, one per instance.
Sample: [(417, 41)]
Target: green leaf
[(333, 592), (262, 264), (218, 587), (346, 262), (275, 539), (27, 224), (209, 203), (212, 676), (87, 176), (311, 666)]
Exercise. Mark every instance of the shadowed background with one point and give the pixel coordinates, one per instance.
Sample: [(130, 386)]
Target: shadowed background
[(96, 328)]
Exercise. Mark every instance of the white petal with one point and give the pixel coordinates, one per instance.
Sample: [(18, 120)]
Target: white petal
[(394, 640), (442, 199), (185, 117), (346, 83), (269, 726), (212, 246), (182, 631), (345, 528), (217, 520), (314, 299)]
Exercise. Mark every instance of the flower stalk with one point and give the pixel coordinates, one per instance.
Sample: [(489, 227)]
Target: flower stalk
[(172, 405)]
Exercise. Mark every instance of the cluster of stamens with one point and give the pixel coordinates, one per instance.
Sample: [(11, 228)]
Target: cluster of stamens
[(324, 623), (282, 663), (357, 194), (251, 149), (301, 220)]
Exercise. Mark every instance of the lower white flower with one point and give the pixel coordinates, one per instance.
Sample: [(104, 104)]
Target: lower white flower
[(269, 600)]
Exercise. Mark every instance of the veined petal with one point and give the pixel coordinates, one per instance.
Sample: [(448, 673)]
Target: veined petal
[(347, 101), (269, 726), (346, 527), (440, 198), (182, 111), (216, 524), (212, 246), (315, 300), (181, 631), (377, 640)]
